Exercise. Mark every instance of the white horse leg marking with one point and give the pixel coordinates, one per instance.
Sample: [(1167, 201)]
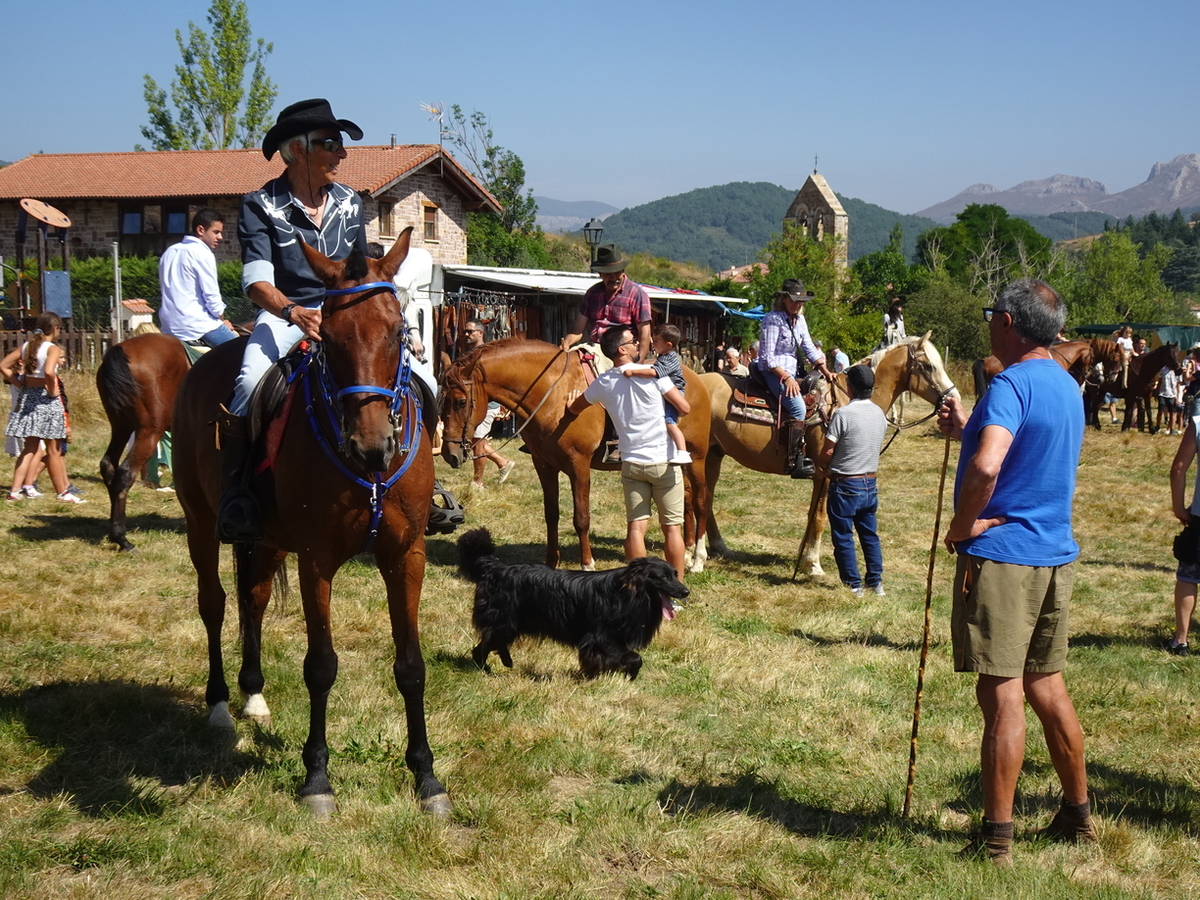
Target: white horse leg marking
[(255, 709), (219, 717), (590, 567), (696, 557)]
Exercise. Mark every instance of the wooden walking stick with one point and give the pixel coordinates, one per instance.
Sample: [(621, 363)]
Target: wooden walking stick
[(937, 528)]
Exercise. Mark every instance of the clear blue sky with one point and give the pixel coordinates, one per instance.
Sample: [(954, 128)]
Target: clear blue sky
[(625, 102)]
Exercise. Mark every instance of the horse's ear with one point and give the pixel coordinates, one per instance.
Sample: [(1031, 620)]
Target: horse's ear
[(327, 271), (390, 264), (927, 336)]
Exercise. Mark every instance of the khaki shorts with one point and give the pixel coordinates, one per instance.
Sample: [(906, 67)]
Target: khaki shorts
[(660, 482), (1008, 619)]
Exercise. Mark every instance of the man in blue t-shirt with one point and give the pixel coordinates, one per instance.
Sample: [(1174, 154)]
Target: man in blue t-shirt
[(1012, 533)]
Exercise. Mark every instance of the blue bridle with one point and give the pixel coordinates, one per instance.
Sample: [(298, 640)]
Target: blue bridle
[(400, 394)]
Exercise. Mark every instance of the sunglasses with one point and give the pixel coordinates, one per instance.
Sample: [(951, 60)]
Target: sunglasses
[(332, 145)]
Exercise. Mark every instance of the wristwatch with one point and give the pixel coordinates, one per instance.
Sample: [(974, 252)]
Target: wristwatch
[(286, 312)]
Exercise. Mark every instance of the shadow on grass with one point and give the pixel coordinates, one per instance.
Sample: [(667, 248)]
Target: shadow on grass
[(1126, 564), (751, 795), (1144, 799), (93, 529), (109, 738), (874, 639)]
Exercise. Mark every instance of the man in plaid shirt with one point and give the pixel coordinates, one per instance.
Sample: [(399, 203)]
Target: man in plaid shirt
[(614, 301)]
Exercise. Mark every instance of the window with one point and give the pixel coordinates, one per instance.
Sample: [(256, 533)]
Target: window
[(387, 218), (142, 227), (430, 220)]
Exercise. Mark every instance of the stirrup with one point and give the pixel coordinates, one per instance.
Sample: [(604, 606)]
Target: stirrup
[(238, 518), (803, 467), (445, 518)]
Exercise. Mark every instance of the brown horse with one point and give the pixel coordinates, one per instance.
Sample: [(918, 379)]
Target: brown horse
[(536, 380), (137, 381), (352, 470), (1074, 356), (1139, 387), (912, 365)]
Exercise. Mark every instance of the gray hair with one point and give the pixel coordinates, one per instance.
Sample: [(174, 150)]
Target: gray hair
[(285, 146), (1037, 311)]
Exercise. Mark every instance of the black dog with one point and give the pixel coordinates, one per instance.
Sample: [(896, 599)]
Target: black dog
[(608, 615)]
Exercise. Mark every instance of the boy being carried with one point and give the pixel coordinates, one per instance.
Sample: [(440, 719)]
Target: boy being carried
[(665, 340)]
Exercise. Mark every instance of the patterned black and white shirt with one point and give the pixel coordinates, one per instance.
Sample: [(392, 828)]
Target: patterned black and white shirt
[(271, 224)]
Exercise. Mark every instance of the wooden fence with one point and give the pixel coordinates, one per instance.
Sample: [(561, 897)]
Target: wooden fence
[(84, 348)]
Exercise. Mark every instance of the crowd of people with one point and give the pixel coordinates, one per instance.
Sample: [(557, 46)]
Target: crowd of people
[(1011, 530)]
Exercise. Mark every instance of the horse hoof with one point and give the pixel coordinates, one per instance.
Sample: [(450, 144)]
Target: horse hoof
[(255, 709), (322, 806), (588, 567), (438, 806), (219, 717)]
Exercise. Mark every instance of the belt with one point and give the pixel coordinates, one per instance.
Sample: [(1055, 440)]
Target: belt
[(836, 477)]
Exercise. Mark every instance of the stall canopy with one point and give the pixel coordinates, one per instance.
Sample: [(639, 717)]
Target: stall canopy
[(576, 283)]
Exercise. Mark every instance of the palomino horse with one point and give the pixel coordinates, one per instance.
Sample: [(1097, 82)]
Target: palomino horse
[(350, 469), (1074, 356), (137, 381), (911, 365), (536, 380)]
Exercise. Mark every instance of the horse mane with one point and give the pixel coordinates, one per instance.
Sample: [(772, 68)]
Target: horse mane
[(875, 358)]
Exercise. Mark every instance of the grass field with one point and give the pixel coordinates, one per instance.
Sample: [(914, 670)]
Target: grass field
[(761, 753)]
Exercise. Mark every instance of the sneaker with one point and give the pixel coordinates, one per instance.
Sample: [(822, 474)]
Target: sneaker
[(612, 454), (856, 591), (681, 458), (1169, 644), (992, 842), (15, 495), (1069, 827), (31, 491), (506, 470), (162, 490), (879, 591), (68, 497), (78, 492)]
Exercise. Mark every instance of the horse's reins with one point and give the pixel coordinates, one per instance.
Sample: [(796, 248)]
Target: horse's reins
[(529, 418), (398, 396)]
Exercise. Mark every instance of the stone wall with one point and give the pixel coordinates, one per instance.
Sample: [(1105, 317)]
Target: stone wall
[(411, 197)]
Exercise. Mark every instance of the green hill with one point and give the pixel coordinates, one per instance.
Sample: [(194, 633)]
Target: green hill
[(728, 224)]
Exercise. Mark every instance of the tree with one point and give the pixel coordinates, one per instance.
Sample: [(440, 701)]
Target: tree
[(986, 249), (1112, 284), (499, 170), (952, 313), (211, 86)]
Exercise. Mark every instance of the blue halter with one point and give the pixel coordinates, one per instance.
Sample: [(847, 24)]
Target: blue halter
[(405, 420)]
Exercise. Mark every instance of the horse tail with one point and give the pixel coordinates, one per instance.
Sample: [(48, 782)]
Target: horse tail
[(980, 377), (116, 384)]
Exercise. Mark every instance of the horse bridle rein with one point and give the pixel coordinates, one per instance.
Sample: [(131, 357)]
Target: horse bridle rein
[(401, 399), (468, 386)]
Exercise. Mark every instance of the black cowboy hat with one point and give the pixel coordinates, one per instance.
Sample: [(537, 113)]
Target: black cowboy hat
[(608, 259), (794, 288), (303, 117)]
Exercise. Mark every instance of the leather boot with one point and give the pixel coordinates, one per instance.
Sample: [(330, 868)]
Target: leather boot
[(798, 465), (238, 516)]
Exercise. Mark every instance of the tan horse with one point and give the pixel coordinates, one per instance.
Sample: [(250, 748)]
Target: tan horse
[(535, 380), (912, 365)]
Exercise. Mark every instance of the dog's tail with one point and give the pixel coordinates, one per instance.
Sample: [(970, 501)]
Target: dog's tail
[(473, 547)]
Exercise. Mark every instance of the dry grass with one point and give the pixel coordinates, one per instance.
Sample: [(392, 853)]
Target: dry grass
[(762, 753)]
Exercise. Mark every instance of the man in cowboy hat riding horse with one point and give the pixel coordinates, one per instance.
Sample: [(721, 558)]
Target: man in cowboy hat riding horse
[(305, 203), (615, 300)]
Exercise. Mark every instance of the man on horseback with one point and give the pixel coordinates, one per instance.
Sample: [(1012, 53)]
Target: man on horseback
[(305, 203), (784, 334), (192, 309), (615, 300)]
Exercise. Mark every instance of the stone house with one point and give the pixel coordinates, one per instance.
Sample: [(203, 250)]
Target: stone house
[(818, 210), (145, 200)]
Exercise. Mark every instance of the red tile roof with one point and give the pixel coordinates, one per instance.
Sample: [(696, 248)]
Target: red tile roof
[(209, 173)]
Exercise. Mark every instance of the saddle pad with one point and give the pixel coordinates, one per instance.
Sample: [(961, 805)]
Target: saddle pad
[(194, 351)]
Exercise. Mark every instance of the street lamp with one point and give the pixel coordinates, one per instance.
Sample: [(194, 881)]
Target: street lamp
[(591, 233)]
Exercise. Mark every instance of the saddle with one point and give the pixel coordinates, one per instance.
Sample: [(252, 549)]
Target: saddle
[(752, 400)]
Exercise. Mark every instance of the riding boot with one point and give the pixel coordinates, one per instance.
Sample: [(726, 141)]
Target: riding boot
[(798, 465), (238, 516)]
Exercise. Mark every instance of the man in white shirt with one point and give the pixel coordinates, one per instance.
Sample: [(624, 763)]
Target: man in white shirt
[(636, 408), (192, 308)]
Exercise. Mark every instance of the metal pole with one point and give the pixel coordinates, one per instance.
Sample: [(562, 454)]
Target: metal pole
[(117, 292)]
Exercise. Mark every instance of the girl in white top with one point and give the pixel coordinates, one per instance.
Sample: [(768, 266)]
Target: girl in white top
[(39, 414)]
